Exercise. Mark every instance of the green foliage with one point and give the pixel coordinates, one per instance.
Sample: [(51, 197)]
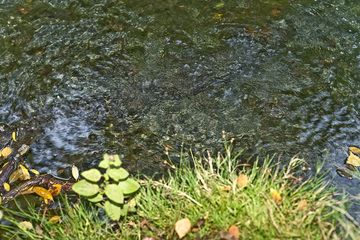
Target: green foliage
[(112, 190)]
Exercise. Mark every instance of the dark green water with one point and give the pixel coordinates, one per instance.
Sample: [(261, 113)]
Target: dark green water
[(133, 76)]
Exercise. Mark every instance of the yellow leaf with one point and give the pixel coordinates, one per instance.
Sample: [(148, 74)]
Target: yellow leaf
[(55, 189), (13, 136), (276, 196), (44, 193), (20, 174), (25, 173), (234, 232), (34, 171), (6, 187), (26, 225), (5, 152), (55, 219), (354, 150), (242, 181), (353, 160), (182, 227), (302, 205)]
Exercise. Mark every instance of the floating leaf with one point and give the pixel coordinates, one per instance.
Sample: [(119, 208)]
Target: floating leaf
[(104, 164), (75, 172), (85, 188), (117, 174), (55, 219), (6, 187), (92, 175), (242, 181), (129, 186), (354, 150), (276, 196), (112, 210), (5, 152), (44, 193), (302, 205), (55, 189), (114, 193), (353, 160), (234, 232), (182, 227), (25, 225), (96, 199)]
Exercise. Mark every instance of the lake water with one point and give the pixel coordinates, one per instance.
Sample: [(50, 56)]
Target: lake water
[(133, 76)]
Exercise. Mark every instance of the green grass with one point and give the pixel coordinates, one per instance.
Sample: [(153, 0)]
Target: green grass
[(205, 191)]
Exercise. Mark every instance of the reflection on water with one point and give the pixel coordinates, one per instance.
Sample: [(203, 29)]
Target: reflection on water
[(133, 76)]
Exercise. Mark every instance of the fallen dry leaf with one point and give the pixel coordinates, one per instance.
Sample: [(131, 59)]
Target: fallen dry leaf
[(354, 150), (44, 193), (39, 230), (302, 205), (182, 227), (242, 181), (55, 189), (26, 225), (75, 172), (226, 188), (353, 160), (6, 186), (5, 152), (275, 195), (55, 219), (234, 232)]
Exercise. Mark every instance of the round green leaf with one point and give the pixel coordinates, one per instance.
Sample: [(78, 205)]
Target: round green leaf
[(129, 186), (104, 164), (113, 160), (92, 175), (96, 199), (114, 193), (117, 174), (85, 188), (112, 210)]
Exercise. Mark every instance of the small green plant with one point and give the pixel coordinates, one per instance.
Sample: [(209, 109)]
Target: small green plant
[(112, 190)]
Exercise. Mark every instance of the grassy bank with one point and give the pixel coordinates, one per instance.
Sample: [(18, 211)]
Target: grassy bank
[(262, 201)]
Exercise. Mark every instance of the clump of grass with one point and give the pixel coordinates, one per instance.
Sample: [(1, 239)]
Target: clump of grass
[(199, 192), (205, 190)]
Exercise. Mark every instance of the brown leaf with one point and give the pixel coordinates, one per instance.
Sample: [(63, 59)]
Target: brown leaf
[(199, 224), (242, 181), (275, 195), (234, 232), (302, 205), (55, 189), (353, 160), (182, 227), (39, 230)]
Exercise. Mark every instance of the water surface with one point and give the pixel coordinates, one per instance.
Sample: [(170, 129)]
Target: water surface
[(135, 76)]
